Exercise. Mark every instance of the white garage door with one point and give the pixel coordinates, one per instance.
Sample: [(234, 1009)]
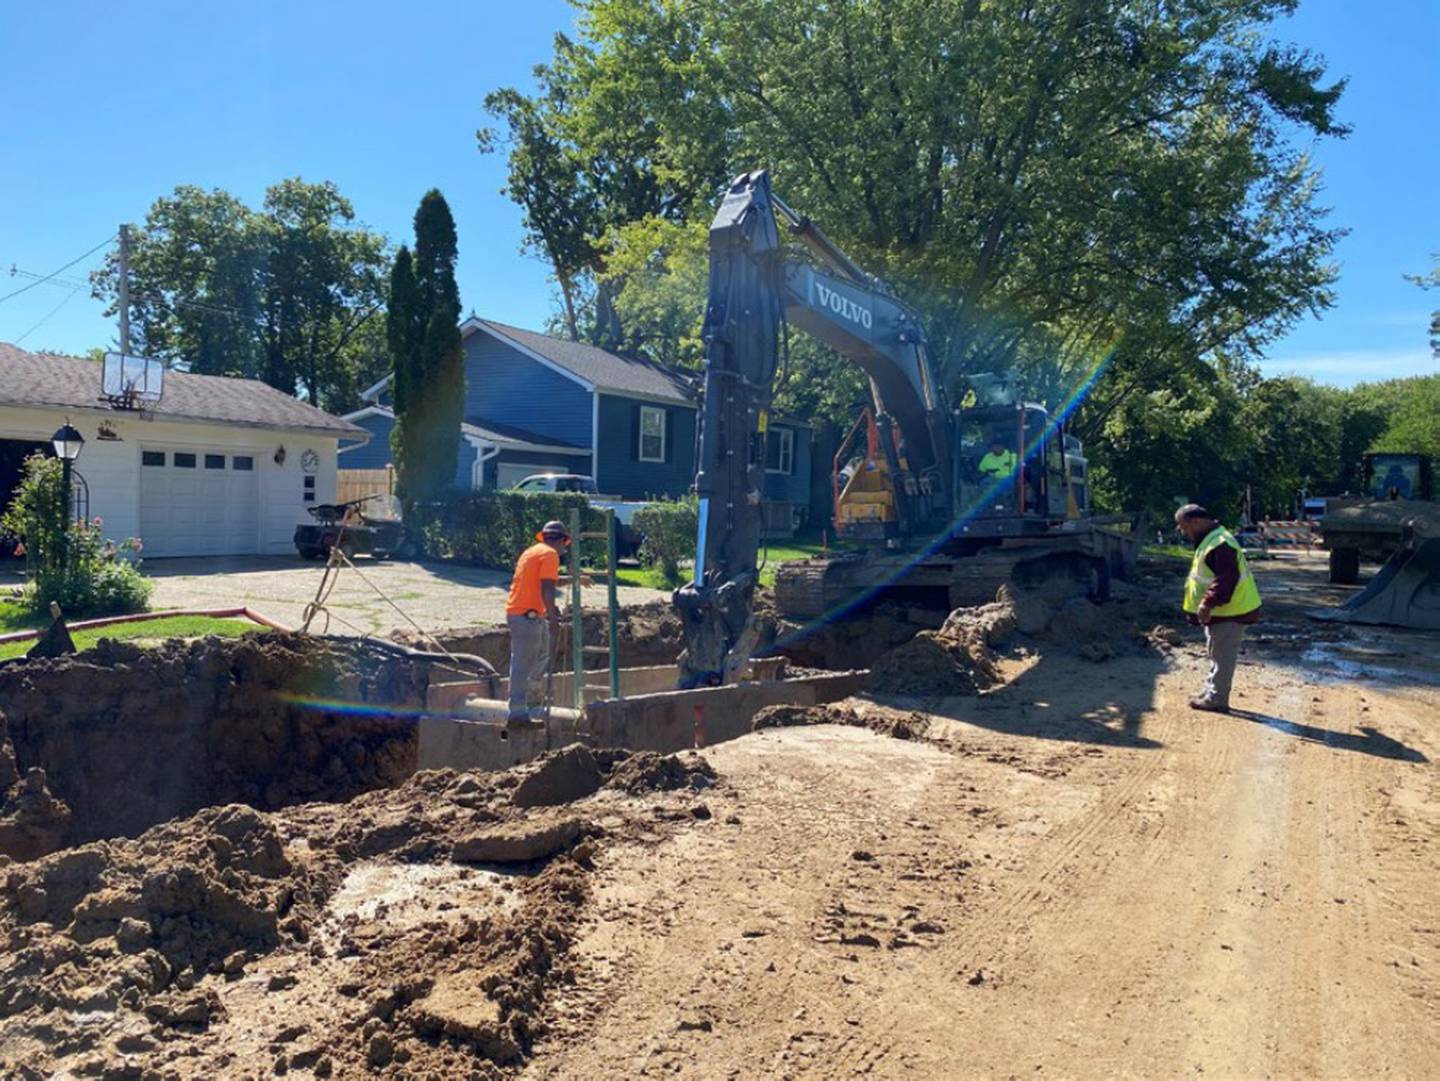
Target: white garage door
[(197, 502)]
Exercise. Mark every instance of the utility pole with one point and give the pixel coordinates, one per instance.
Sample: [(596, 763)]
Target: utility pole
[(125, 290)]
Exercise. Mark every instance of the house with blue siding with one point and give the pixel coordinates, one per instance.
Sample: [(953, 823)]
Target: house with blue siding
[(539, 404)]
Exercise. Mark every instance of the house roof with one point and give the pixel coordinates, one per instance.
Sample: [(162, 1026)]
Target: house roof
[(601, 369), (501, 435), (61, 382)]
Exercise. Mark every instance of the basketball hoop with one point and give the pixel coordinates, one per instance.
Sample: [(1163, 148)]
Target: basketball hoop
[(131, 383)]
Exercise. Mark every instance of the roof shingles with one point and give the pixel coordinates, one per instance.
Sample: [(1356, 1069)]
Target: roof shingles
[(603, 370), (45, 379)]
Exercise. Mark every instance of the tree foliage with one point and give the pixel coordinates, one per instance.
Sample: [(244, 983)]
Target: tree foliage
[(1427, 282), (1048, 182), (287, 293), (422, 334)]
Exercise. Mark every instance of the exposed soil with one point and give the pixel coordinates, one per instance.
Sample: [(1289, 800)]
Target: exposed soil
[(1043, 865), (417, 932), (1069, 873), (114, 740)]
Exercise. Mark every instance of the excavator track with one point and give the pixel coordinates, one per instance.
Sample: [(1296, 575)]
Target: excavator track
[(823, 586)]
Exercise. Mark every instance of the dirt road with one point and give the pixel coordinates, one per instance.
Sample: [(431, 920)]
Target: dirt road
[(1072, 875)]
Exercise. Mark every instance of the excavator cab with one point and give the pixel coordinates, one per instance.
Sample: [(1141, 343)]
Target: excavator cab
[(1013, 471)]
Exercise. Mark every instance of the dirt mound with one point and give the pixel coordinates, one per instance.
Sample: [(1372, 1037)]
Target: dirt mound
[(646, 771), (956, 659), (117, 739), (897, 725), (412, 932)]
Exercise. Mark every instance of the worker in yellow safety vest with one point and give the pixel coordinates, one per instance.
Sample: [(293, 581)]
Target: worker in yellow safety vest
[(1220, 595), (999, 463)]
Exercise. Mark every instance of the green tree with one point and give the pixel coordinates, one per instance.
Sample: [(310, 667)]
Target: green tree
[(1043, 180), (1428, 282), (428, 361), (287, 293)]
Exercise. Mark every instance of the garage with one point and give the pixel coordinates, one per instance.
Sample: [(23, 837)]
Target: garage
[(198, 501), (211, 467), (509, 474)]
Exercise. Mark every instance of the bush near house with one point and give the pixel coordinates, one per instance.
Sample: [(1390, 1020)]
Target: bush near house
[(669, 529), (491, 529), (77, 568)]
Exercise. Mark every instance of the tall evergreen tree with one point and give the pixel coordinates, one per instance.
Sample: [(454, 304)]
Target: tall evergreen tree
[(424, 340)]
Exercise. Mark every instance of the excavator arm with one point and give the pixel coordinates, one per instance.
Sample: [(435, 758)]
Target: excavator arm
[(754, 286)]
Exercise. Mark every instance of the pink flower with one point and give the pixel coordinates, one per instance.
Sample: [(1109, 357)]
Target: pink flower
[(97, 521)]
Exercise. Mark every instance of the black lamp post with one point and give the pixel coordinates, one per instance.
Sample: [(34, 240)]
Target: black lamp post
[(68, 444)]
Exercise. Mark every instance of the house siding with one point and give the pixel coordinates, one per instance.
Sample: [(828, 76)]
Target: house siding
[(620, 470), (503, 385), (376, 453), (792, 487)]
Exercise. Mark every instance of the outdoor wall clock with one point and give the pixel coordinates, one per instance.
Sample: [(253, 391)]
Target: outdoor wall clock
[(310, 461)]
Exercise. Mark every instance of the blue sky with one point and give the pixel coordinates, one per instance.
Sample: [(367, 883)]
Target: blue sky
[(104, 106)]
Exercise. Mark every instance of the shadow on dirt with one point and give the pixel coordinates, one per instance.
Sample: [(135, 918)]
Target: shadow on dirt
[(1373, 741)]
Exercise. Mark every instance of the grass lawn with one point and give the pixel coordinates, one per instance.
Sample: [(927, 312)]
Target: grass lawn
[(777, 553), (12, 618), (1169, 551)]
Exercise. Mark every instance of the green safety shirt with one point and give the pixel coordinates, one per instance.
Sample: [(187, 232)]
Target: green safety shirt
[(998, 465)]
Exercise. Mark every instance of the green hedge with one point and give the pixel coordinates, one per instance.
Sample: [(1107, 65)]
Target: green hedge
[(491, 529), (669, 529)]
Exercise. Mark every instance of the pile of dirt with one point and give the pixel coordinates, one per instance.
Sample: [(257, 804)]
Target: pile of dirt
[(114, 740), (960, 657), (956, 659), (885, 722), (848, 644), (415, 932), (646, 771)]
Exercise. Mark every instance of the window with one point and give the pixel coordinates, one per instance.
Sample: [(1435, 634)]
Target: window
[(184, 461), (780, 450), (152, 457), (214, 461), (309, 489), (242, 462), (652, 433)]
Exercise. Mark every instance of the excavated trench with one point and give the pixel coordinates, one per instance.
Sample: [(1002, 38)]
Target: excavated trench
[(110, 742)]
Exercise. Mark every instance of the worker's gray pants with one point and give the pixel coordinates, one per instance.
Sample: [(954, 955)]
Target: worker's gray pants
[(529, 657), (1222, 646)]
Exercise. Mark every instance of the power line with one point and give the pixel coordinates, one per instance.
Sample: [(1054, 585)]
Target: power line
[(46, 317), (67, 266)]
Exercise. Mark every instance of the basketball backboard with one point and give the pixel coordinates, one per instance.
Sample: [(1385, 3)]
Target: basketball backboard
[(131, 380)]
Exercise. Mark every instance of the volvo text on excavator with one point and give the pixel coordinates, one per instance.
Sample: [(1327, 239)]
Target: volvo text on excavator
[(938, 502)]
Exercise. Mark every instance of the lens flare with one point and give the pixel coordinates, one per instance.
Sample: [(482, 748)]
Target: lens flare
[(1067, 407)]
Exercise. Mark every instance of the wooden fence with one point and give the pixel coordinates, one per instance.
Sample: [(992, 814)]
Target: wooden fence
[(359, 483)]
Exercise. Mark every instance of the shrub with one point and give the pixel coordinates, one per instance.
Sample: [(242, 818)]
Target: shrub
[(669, 529), (77, 568), (492, 528)]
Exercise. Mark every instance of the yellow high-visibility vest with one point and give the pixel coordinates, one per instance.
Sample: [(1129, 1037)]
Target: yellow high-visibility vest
[(1246, 597)]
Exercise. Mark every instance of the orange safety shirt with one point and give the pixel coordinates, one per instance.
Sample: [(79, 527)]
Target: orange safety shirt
[(538, 563)]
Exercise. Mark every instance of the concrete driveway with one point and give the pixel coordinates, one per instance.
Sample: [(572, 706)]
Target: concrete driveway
[(434, 595)]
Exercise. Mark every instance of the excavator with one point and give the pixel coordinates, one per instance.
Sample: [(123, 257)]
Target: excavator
[(938, 504)]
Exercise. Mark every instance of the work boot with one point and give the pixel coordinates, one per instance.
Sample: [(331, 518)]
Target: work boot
[(1208, 706)]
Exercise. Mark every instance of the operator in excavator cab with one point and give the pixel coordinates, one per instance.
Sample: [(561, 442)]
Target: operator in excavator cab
[(999, 463)]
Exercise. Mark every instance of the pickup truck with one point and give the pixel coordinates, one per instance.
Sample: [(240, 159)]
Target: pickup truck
[(627, 540)]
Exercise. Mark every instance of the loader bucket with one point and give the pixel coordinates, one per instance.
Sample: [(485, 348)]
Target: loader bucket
[(1406, 592)]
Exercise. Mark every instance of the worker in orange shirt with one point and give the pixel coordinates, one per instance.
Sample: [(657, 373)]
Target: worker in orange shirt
[(531, 611)]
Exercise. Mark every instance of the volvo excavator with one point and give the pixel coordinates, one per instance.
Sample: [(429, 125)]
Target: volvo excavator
[(919, 517)]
